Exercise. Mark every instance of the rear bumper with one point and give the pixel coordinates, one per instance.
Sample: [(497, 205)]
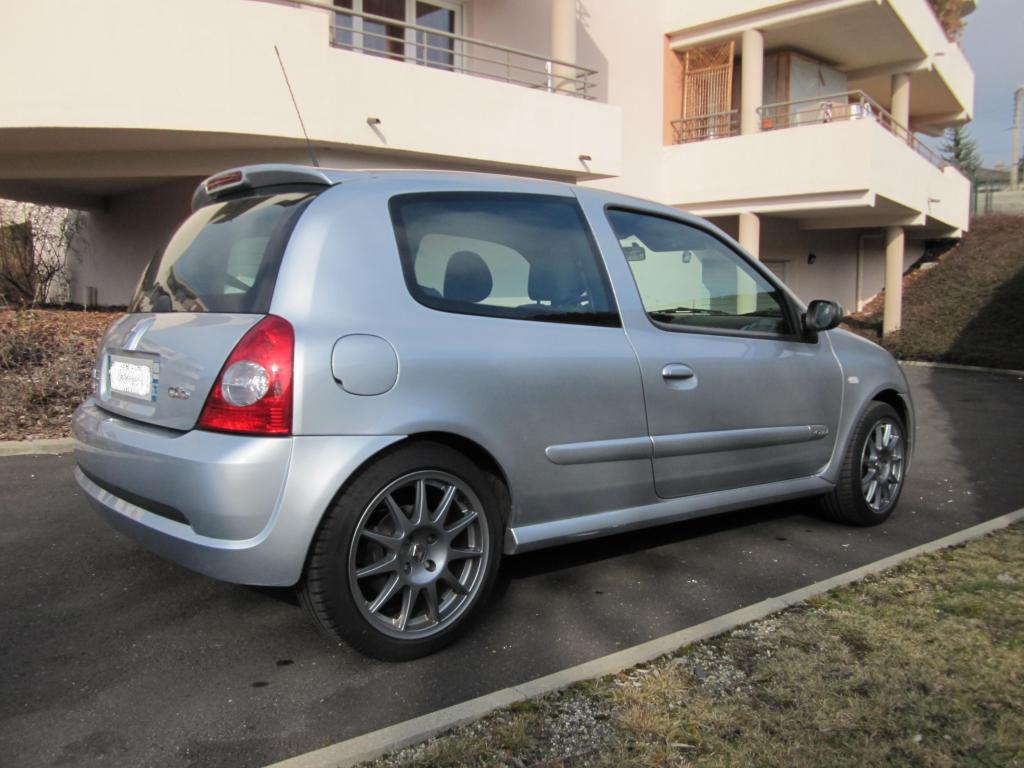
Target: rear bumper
[(237, 508)]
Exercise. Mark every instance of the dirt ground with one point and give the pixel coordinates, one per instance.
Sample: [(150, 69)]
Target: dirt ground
[(963, 309)]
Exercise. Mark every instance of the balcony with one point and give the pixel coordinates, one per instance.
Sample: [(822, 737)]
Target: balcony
[(713, 126), (836, 107), (87, 121), (439, 49), (833, 162), (866, 40)]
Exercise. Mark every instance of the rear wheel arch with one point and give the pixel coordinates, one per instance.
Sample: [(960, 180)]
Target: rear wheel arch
[(472, 450), (329, 562), (469, 448)]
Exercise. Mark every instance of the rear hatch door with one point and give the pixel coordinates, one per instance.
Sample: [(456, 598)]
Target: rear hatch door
[(197, 299)]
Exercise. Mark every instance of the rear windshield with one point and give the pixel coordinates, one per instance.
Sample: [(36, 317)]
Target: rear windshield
[(224, 258)]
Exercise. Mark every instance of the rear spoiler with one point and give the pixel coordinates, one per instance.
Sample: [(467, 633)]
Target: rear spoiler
[(254, 177)]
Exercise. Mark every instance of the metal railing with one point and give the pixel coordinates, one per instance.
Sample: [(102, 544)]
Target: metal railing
[(712, 126), (413, 43), (836, 107)]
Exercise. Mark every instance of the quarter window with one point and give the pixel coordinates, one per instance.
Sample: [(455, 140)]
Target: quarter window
[(528, 257), (688, 278)]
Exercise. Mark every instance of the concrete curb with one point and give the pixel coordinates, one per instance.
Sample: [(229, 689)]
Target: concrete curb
[(54, 446), (374, 744), (952, 367)]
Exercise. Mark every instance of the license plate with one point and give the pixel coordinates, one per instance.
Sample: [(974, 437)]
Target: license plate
[(132, 376)]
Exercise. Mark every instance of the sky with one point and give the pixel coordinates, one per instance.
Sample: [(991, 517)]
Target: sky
[(994, 44)]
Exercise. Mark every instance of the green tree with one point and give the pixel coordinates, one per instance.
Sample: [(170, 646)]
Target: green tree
[(961, 151)]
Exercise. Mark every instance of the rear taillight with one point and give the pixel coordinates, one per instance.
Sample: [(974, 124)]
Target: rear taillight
[(253, 393)]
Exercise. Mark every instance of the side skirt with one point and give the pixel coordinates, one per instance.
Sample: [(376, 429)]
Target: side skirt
[(525, 538)]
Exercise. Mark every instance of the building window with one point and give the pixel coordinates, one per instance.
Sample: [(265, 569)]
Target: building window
[(397, 41)]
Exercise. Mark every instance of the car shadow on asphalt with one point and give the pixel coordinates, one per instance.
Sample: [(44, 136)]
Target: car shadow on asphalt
[(569, 556)]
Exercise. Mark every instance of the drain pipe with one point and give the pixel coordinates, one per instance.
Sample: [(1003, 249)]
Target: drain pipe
[(858, 296)]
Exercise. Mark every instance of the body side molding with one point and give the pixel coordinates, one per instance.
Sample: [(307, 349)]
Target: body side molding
[(667, 446)]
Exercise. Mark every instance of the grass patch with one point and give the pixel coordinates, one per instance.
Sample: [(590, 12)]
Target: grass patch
[(921, 666), (964, 309)]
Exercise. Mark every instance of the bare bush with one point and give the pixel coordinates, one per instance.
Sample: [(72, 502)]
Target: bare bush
[(35, 246), (46, 364)]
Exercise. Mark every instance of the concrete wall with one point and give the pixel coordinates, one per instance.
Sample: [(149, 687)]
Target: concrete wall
[(629, 38), (824, 166), (207, 70), (120, 241)]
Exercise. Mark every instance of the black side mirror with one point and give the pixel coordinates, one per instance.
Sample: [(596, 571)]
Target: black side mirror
[(823, 315)]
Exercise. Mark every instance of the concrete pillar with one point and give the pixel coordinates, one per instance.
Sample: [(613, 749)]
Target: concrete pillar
[(751, 81), (750, 239), (901, 104), (563, 43), (892, 314), (750, 234)]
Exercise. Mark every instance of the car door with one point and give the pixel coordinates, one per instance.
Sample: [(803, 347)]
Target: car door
[(735, 395)]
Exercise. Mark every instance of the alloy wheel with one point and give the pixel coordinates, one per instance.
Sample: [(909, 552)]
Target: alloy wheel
[(882, 462), (419, 554)]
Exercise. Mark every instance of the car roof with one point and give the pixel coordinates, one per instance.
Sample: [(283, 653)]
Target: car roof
[(260, 175)]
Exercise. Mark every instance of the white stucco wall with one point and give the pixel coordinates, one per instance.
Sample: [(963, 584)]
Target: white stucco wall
[(207, 70), (120, 241)]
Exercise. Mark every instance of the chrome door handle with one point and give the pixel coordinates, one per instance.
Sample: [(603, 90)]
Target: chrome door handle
[(677, 372)]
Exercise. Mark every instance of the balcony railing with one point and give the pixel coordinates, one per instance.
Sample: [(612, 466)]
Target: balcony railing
[(712, 126), (430, 47), (849, 105)]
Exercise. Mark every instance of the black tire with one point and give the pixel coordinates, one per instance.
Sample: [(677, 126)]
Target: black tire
[(847, 503), (329, 587)]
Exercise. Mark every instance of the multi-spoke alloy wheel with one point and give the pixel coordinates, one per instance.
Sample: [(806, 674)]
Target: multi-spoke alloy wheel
[(873, 469), (881, 464), (419, 554), (407, 552)]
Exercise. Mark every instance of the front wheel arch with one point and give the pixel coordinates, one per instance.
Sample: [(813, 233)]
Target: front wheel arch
[(845, 503)]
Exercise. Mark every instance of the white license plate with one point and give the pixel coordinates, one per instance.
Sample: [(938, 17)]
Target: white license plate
[(132, 376)]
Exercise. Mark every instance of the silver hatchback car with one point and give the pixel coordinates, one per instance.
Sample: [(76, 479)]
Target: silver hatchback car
[(372, 385)]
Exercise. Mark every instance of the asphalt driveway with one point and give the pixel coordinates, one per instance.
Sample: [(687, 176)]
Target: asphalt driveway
[(110, 656)]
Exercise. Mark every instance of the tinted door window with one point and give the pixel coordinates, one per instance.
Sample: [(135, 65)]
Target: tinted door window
[(528, 257), (689, 279)]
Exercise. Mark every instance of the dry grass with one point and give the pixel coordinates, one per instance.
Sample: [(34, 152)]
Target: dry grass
[(965, 309), (46, 363), (922, 666)]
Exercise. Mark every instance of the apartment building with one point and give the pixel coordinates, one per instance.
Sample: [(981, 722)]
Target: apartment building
[(792, 124)]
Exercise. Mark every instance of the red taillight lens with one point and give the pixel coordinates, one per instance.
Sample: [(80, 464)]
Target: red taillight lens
[(253, 392)]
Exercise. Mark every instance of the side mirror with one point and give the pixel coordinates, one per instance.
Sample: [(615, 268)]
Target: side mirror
[(823, 315)]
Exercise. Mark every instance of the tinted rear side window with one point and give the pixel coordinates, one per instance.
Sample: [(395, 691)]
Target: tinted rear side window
[(224, 258), (528, 257)]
